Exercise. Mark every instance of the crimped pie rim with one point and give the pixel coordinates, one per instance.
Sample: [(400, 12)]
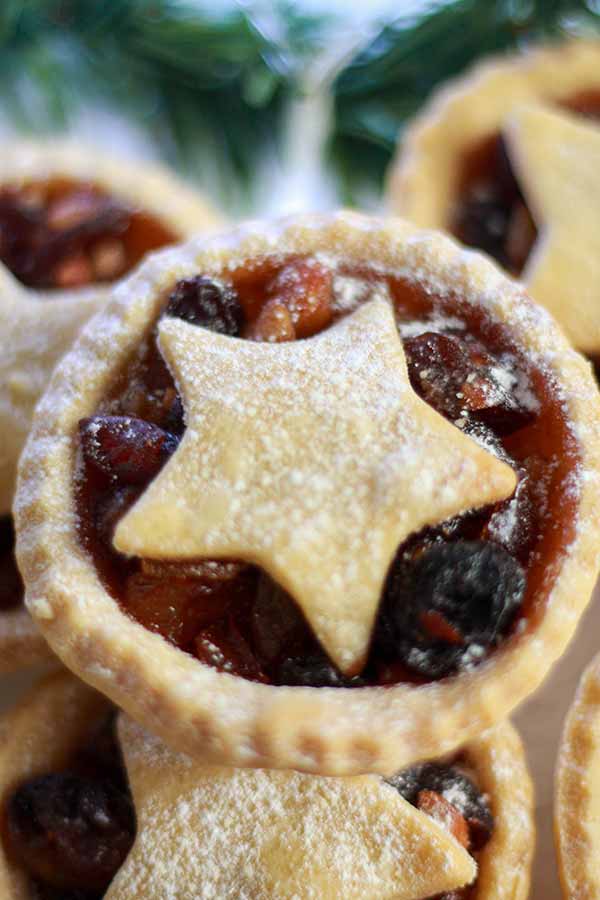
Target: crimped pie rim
[(577, 782), (228, 720)]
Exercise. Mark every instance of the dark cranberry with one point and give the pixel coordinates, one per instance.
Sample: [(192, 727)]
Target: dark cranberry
[(491, 214), (462, 381), (277, 625), (481, 220), (111, 508), (69, 831), (223, 647), (11, 583), (445, 607), (174, 606), (130, 450), (456, 788), (208, 303), (284, 644)]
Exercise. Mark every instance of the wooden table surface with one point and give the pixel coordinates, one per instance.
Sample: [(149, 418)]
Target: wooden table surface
[(540, 722)]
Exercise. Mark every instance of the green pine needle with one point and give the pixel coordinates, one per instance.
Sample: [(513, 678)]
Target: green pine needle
[(389, 80)]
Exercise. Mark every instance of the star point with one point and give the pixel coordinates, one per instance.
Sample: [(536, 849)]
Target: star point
[(314, 460), (556, 158)]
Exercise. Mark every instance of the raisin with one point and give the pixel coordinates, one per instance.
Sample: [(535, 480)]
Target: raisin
[(444, 608), (314, 670), (130, 450), (444, 812), (11, 583), (69, 831), (176, 607), (305, 287), (274, 324), (209, 303), (455, 787), (461, 379)]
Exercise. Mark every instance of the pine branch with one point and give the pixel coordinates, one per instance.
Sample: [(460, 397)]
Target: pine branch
[(389, 80), (210, 90)]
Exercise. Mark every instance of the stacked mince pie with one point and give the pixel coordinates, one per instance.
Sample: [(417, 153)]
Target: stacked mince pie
[(309, 507), (72, 223)]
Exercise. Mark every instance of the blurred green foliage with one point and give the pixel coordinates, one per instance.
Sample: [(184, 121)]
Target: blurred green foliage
[(211, 87)]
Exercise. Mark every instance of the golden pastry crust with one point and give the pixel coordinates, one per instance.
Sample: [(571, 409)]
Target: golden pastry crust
[(422, 178), (37, 737), (30, 744), (577, 797), (37, 327), (504, 865), (423, 181), (160, 779), (225, 719)]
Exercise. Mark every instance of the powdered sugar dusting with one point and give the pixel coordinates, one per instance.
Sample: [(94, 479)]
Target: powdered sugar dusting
[(216, 833), (315, 459)]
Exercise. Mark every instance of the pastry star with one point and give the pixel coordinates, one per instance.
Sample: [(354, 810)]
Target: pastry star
[(36, 331), (210, 831), (557, 162), (313, 459)]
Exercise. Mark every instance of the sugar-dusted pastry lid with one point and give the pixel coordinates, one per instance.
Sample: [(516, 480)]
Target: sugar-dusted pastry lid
[(37, 737), (218, 803), (422, 179), (217, 716), (577, 787), (31, 744), (498, 759), (44, 332)]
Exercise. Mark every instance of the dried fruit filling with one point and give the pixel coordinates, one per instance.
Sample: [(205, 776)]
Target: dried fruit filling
[(72, 829), (62, 233), (491, 213), (448, 793), (453, 593)]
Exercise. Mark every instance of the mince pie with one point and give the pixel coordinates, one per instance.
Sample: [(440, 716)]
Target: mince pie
[(71, 224), (506, 159), (317, 495), (577, 798), (80, 820)]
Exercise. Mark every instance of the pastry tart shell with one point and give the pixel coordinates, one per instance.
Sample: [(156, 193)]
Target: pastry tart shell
[(422, 179), (219, 717), (35, 338)]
